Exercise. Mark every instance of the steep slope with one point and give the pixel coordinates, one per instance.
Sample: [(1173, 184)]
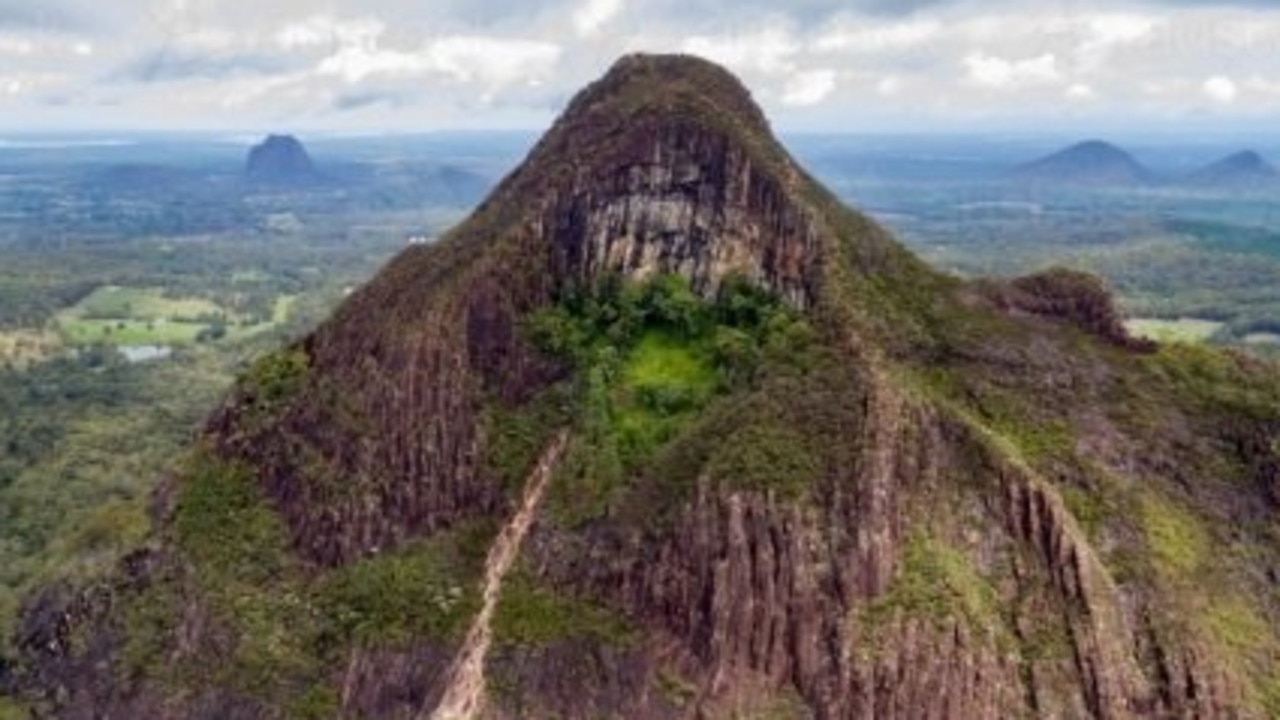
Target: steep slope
[(804, 475), (1245, 169), (1092, 162)]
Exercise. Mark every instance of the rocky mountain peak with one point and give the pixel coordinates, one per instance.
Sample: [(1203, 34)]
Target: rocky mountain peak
[(568, 455), (667, 166), (280, 158)]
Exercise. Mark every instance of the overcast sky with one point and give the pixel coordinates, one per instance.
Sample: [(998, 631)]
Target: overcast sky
[(404, 65)]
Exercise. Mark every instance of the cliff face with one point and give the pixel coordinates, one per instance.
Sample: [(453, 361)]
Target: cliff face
[(911, 497)]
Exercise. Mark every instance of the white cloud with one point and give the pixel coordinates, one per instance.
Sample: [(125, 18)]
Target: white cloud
[(1080, 91), (12, 45), (768, 51), (997, 72), (1120, 29), (494, 62), (890, 85), (1221, 89), (859, 37), (322, 30), (488, 61), (590, 18), (809, 88)]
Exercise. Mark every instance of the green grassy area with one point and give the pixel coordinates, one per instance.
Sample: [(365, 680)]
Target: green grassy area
[(1187, 330), (650, 358), (129, 332), (116, 315), (664, 380), (531, 614), (112, 302)]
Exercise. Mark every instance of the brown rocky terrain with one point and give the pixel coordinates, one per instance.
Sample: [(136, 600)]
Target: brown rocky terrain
[(805, 475)]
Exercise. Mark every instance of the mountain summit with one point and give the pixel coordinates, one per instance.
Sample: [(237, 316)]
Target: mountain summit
[(663, 430), (1242, 170), (280, 159), (1092, 162)]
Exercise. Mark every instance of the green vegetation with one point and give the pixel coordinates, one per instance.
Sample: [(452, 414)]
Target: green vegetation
[(936, 582), (421, 591), (1186, 330), (1177, 540), (530, 614), (649, 359), (767, 456), (225, 526), (147, 316)]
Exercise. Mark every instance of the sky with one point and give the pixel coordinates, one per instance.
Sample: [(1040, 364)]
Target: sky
[(373, 66)]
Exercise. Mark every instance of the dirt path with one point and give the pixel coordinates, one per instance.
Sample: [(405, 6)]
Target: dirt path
[(465, 693)]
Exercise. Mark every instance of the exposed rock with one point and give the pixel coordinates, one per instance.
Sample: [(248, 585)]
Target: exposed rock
[(280, 159), (999, 517)]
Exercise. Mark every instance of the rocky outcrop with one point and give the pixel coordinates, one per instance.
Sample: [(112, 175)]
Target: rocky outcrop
[(964, 536), (1070, 296), (280, 159)]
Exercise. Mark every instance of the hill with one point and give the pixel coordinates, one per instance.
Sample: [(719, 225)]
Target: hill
[(1092, 162), (280, 159), (1245, 169), (664, 430)]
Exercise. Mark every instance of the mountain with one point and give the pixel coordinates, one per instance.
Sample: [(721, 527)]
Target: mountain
[(1242, 170), (664, 430), (1092, 162), (280, 159)]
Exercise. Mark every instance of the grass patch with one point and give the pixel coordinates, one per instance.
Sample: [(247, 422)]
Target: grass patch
[(665, 380), (938, 582), (147, 316), (425, 590), (224, 524), (1182, 330), (113, 302), (530, 614), (1177, 539), (766, 457)]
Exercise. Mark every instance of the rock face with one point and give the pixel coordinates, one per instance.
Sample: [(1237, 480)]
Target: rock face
[(1092, 162), (945, 500), (280, 159)]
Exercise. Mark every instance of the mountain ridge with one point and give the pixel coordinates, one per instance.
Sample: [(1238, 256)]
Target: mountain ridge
[(1087, 162), (1242, 169), (806, 475)]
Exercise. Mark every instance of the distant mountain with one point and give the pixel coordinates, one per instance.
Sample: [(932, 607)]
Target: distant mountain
[(1243, 169), (280, 159), (1093, 162)]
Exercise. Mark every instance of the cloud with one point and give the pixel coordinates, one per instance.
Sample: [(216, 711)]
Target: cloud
[(592, 16), (859, 36), (44, 16), (809, 88), (766, 51), (1221, 89), (163, 66), (325, 30), (996, 72), (1080, 91), (489, 62)]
